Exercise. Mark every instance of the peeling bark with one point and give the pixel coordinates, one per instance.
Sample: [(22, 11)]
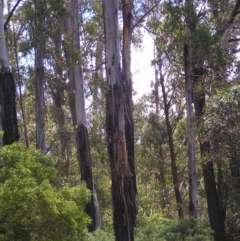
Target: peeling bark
[(123, 190), (83, 145)]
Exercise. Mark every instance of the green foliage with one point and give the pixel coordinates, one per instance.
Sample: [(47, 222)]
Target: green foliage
[(31, 207), (100, 235), (163, 229)]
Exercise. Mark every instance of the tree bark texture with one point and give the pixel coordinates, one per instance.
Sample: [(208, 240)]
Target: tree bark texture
[(216, 215), (8, 108), (127, 7), (123, 191), (83, 145), (39, 73), (8, 114), (172, 151), (85, 163), (193, 196)]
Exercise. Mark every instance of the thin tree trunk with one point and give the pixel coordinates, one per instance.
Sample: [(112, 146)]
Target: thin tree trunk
[(20, 91), (127, 7), (8, 115), (39, 73), (161, 175), (171, 147), (122, 187), (83, 145), (193, 196)]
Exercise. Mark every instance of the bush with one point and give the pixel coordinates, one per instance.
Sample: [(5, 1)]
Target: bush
[(174, 230), (31, 207)]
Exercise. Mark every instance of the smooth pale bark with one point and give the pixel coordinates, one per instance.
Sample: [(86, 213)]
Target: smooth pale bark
[(193, 196), (83, 145), (68, 48), (122, 187), (8, 116), (127, 6), (39, 73)]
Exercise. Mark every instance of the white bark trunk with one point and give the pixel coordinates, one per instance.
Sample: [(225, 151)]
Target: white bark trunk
[(80, 105), (4, 63), (113, 54), (78, 76)]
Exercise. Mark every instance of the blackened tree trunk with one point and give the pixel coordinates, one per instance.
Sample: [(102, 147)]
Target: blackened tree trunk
[(8, 108), (215, 213), (8, 116), (83, 145), (123, 191), (127, 7)]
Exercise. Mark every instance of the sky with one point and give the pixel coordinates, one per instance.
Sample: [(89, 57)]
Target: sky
[(142, 71)]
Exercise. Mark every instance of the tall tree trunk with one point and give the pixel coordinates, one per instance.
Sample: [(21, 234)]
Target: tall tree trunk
[(171, 147), (68, 49), (39, 73), (216, 215), (213, 191), (122, 182), (193, 196), (83, 145), (8, 115), (127, 6)]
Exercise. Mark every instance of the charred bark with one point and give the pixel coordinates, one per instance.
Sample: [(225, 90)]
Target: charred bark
[(128, 115), (216, 215), (8, 108), (214, 196), (122, 187), (123, 191), (85, 163)]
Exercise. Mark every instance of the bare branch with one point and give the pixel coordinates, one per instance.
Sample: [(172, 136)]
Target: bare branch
[(145, 14), (10, 14), (230, 21), (233, 40)]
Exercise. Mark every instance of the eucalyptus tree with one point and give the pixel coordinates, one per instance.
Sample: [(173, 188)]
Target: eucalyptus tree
[(8, 115), (123, 190), (193, 191), (82, 137)]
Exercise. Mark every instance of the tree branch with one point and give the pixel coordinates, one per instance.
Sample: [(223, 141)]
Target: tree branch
[(233, 15), (233, 40), (10, 14), (145, 14)]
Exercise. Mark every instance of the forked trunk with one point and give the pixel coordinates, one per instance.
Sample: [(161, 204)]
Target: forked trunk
[(123, 191), (172, 151)]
